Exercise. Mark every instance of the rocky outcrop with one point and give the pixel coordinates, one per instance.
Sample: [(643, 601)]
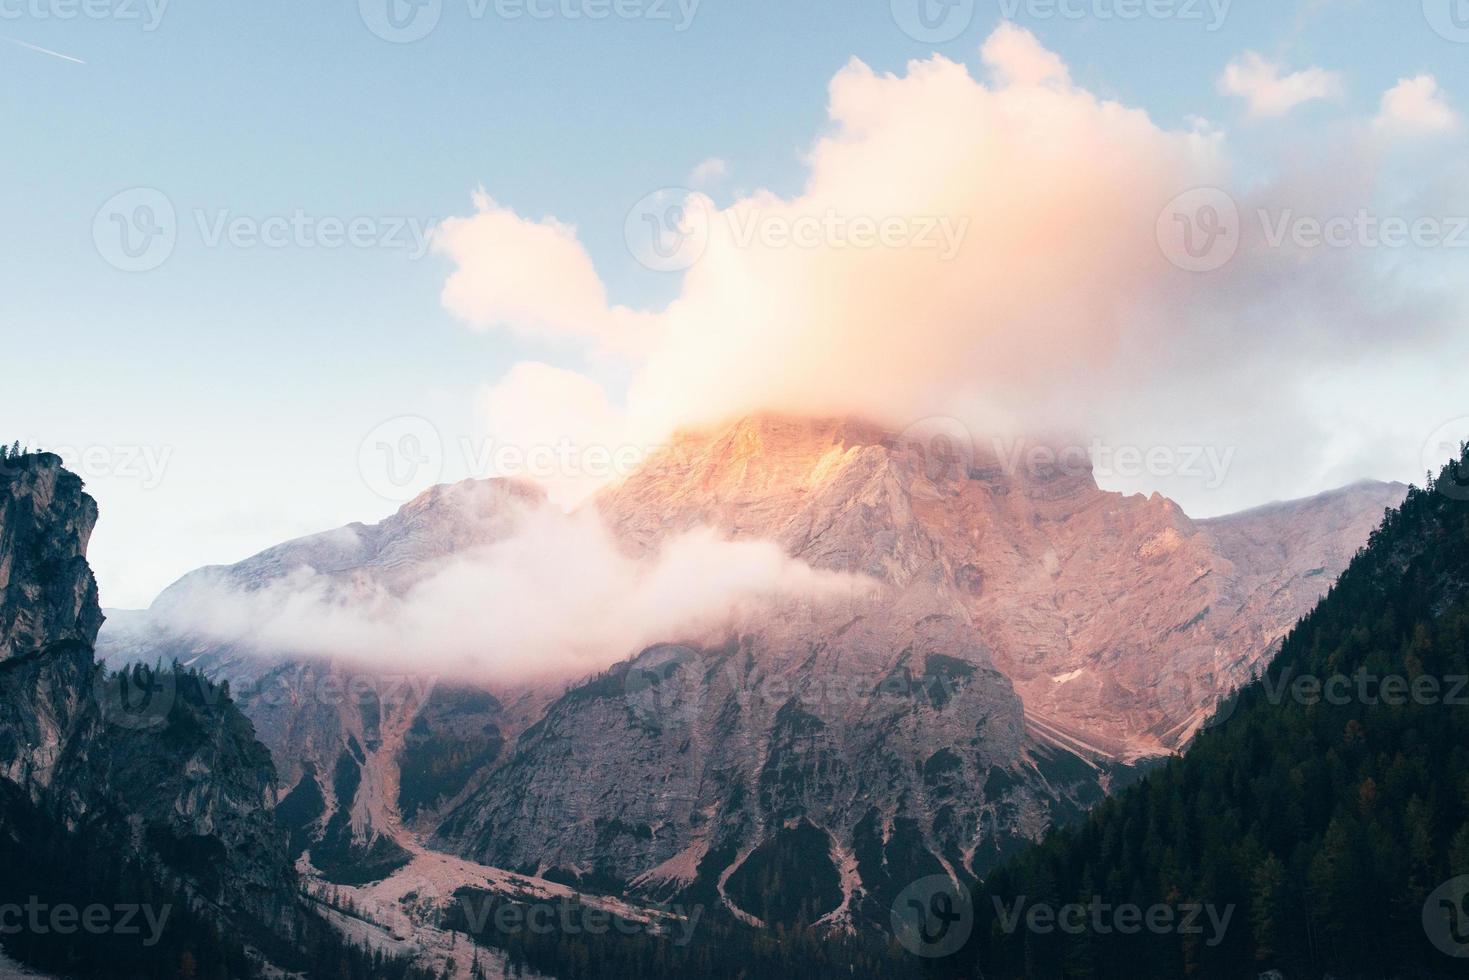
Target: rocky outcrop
[(361, 750), (47, 593), (157, 769), (1118, 618), (1030, 637)]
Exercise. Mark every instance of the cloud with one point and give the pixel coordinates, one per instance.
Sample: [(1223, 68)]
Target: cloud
[(555, 427), (709, 171), (1272, 94), (533, 276), (554, 599), (1417, 105), (1014, 56), (991, 251)]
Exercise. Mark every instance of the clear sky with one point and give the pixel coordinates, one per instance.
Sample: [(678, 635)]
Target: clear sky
[(249, 374)]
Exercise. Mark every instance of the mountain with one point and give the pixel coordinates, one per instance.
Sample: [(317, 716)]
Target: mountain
[(1028, 642), (137, 824), (1032, 637), (149, 784), (1323, 825), (360, 751), (1080, 596)]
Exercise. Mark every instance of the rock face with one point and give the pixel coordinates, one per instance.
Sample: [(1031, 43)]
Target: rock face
[(1025, 642), (47, 594), (1030, 636), (358, 749), (159, 766)]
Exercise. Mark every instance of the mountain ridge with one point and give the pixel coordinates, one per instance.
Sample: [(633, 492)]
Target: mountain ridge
[(1038, 636)]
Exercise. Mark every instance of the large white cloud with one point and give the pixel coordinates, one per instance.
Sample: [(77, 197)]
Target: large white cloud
[(528, 275), (989, 249)]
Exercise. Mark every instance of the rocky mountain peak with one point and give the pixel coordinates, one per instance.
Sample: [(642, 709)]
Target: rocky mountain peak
[(47, 593)]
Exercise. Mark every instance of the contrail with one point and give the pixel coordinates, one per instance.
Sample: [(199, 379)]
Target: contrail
[(36, 47)]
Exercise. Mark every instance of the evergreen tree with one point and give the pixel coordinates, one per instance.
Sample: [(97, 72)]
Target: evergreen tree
[(1323, 823)]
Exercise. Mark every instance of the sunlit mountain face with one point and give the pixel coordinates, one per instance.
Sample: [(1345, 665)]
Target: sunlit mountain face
[(683, 489)]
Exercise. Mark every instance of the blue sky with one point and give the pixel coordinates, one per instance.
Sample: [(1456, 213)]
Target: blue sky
[(259, 370)]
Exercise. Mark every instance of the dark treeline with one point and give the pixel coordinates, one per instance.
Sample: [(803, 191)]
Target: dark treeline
[(1323, 818), (717, 948), (145, 924)]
